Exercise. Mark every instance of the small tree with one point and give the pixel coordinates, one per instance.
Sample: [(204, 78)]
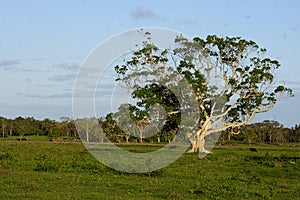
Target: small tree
[(231, 79), (250, 134), (137, 123), (3, 126), (89, 130)]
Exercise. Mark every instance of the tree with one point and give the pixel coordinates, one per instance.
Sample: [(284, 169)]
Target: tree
[(294, 134), (89, 130), (231, 79), (56, 130), (3, 126), (124, 118), (65, 126), (272, 130), (250, 134), (48, 126), (11, 127), (136, 122), (110, 128)]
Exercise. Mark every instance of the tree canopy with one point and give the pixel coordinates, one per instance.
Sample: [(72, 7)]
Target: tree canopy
[(220, 82)]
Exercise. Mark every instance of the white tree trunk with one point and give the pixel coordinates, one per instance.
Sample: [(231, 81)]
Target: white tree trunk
[(141, 138), (198, 143), (87, 132)]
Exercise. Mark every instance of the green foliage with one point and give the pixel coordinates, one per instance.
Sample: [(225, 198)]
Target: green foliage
[(266, 131), (230, 68), (24, 127)]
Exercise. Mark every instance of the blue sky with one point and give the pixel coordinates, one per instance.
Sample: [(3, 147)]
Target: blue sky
[(43, 43)]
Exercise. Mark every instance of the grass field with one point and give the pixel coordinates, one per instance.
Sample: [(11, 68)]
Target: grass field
[(49, 170)]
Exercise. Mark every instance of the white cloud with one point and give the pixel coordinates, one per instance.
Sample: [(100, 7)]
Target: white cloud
[(9, 64), (144, 13)]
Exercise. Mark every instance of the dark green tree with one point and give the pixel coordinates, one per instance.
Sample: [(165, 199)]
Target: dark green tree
[(294, 134), (111, 129), (48, 126)]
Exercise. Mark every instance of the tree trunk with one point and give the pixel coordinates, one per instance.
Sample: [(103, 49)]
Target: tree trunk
[(87, 136), (249, 140), (3, 132), (3, 129), (127, 137), (141, 138), (11, 128), (198, 143), (158, 139)]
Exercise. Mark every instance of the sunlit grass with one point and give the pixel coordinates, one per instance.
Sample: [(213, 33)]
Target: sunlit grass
[(47, 170)]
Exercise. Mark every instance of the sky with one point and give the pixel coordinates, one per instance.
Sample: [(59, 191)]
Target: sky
[(43, 44)]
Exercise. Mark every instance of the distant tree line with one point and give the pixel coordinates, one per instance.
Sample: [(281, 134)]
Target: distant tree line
[(30, 126), (266, 131)]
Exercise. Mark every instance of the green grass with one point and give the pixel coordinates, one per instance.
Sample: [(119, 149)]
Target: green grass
[(49, 170)]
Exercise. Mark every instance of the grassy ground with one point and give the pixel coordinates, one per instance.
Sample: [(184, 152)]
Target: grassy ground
[(48, 170)]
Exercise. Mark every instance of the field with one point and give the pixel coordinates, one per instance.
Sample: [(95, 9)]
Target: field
[(66, 170)]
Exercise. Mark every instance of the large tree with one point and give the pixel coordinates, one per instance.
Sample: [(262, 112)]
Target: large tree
[(229, 80)]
